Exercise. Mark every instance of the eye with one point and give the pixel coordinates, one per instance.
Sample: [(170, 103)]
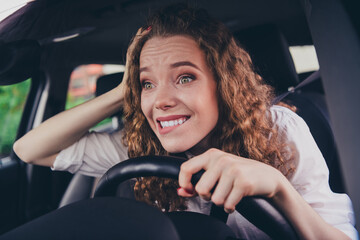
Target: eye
[(147, 85), (186, 79)]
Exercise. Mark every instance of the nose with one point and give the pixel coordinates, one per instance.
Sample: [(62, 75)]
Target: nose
[(165, 97)]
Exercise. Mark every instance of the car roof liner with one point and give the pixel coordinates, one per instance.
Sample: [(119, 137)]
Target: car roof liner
[(45, 18), (18, 61), (94, 31)]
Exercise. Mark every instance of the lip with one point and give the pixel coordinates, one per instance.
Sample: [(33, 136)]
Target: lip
[(169, 118)]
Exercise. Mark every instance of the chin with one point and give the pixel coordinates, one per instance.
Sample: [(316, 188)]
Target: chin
[(175, 148)]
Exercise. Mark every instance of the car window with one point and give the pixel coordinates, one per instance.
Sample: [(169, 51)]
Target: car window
[(12, 101), (82, 88)]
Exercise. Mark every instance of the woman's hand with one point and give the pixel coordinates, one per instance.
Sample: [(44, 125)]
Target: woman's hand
[(234, 177), (140, 33), (228, 178)]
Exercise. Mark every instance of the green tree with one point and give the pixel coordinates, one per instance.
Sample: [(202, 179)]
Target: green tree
[(12, 100)]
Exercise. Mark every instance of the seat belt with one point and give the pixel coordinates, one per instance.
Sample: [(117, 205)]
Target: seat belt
[(314, 76)]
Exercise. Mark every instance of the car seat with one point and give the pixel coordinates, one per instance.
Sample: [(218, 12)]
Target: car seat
[(270, 53), (104, 84), (81, 186)]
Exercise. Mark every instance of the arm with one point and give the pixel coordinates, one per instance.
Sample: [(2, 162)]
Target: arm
[(237, 177), (42, 144), (306, 221)]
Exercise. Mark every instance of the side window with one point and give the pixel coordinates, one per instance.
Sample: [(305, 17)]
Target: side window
[(12, 101), (82, 87), (82, 84)]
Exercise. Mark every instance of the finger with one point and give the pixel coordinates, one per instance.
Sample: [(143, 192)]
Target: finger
[(222, 190), (185, 193), (139, 34), (194, 165), (208, 182), (189, 168), (229, 211), (146, 28), (233, 199)]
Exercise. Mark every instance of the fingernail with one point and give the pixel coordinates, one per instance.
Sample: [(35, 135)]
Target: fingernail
[(148, 28), (189, 191), (228, 210), (206, 198)]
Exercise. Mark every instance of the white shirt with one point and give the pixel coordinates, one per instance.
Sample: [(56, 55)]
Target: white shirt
[(95, 153)]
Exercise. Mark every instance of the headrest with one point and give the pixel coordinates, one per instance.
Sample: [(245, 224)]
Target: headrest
[(107, 82), (18, 61), (270, 54)]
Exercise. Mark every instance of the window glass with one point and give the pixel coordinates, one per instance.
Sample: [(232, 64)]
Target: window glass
[(83, 84), (304, 58), (82, 87), (12, 101)]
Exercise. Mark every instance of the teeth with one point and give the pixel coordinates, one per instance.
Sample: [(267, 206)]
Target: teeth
[(172, 122)]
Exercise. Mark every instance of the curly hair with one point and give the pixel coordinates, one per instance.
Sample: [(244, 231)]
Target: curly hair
[(244, 128)]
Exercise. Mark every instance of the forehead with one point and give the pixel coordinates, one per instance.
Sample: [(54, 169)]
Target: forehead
[(169, 49)]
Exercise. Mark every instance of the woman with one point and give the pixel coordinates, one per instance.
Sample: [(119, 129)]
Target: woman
[(190, 89)]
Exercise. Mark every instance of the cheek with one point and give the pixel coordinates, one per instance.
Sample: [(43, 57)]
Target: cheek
[(212, 109), (212, 106), (209, 102), (147, 109)]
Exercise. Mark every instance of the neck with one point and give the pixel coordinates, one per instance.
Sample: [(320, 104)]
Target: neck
[(202, 146)]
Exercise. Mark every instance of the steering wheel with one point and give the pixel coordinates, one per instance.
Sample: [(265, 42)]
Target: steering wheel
[(256, 210)]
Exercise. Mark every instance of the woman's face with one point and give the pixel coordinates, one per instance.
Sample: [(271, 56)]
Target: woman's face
[(178, 95)]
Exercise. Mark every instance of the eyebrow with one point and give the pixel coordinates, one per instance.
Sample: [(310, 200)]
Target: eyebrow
[(174, 65), (143, 69), (184, 63)]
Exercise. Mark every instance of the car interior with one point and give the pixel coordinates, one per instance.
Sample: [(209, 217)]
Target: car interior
[(46, 40)]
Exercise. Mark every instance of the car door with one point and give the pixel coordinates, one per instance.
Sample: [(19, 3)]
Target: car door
[(12, 171), (21, 88)]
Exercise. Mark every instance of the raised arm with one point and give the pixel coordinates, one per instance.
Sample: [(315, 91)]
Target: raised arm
[(41, 145)]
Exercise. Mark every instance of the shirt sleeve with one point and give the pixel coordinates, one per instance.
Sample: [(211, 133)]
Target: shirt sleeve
[(311, 177), (93, 154)]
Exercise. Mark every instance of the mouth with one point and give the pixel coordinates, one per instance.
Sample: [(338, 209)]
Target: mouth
[(170, 122)]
